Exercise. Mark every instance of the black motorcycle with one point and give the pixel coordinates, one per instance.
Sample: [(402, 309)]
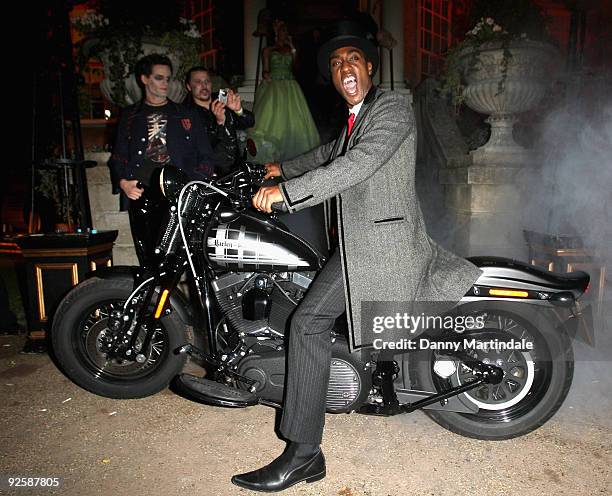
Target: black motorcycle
[(126, 332)]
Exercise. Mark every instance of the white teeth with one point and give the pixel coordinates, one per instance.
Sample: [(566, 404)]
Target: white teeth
[(350, 84)]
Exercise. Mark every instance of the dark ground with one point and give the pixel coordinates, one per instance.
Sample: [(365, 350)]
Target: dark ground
[(167, 445)]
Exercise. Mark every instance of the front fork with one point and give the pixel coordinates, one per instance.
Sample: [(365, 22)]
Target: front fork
[(125, 325)]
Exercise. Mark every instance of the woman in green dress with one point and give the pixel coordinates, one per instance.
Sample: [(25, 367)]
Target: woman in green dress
[(284, 127)]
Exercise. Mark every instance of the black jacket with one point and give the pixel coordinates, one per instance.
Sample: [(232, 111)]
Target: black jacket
[(187, 144), (223, 139)]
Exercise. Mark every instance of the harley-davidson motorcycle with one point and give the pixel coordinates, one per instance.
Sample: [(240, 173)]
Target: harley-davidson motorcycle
[(126, 332)]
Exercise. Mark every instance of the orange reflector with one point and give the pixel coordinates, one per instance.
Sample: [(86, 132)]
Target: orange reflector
[(508, 292), (160, 305)]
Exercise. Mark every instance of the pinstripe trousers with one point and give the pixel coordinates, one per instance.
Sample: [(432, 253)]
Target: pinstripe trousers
[(309, 355)]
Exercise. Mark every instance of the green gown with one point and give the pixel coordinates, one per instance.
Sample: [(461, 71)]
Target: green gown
[(283, 127)]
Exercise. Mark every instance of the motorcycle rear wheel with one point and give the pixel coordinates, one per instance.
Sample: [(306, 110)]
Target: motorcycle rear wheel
[(534, 386), (79, 326)]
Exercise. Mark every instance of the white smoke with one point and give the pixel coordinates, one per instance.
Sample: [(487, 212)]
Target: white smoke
[(572, 194)]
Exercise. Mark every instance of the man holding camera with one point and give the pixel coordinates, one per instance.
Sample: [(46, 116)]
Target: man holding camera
[(221, 117), (152, 133)]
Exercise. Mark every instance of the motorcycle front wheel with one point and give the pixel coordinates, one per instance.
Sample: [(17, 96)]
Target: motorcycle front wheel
[(78, 331), (534, 385)]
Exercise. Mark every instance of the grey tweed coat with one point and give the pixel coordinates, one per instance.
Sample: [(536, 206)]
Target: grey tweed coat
[(386, 252)]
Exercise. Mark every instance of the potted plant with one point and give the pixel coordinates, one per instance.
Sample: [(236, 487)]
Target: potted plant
[(501, 68), (48, 186), (118, 41)]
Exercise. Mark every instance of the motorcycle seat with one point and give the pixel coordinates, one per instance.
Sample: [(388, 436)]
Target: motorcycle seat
[(556, 280)]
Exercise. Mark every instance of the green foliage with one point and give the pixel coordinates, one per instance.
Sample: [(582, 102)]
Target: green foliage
[(47, 184), (519, 18), (120, 42)]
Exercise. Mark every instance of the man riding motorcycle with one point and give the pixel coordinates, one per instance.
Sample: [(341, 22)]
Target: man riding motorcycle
[(384, 249)]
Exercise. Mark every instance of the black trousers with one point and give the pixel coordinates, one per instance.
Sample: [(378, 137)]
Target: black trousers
[(309, 355), (146, 215)]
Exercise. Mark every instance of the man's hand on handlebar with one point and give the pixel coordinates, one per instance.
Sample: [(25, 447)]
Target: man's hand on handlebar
[(266, 196), (273, 169), (132, 188)]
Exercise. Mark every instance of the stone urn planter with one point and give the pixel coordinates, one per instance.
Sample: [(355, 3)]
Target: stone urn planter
[(529, 68), (125, 91)]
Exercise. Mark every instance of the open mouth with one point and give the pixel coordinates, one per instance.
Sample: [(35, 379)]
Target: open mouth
[(349, 84)]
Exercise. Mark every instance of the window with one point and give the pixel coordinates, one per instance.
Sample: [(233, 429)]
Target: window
[(201, 11), (434, 35)]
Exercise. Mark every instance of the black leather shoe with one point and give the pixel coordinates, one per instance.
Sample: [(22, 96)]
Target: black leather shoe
[(288, 469)]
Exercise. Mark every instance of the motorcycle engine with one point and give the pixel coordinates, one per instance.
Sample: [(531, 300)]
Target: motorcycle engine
[(349, 379), (271, 299), (284, 291)]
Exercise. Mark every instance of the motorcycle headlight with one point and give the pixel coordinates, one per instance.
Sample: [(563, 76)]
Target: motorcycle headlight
[(171, 181)]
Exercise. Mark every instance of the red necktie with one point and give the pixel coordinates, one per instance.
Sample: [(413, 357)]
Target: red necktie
[(351, 121)]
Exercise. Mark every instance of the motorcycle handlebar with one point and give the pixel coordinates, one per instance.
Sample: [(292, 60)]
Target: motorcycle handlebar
[(256, 173), (280, 207)]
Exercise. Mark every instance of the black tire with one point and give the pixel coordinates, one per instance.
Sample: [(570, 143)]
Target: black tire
[(78, 322), (506, 411)]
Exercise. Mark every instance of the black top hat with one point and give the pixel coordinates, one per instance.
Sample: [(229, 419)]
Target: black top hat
[(343, 34)]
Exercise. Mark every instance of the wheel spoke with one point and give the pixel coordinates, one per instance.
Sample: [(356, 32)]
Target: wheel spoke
[(513, 357), (498, 393), (513, 386)]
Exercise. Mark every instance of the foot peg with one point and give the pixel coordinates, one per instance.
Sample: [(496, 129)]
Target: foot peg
[(215, 393)]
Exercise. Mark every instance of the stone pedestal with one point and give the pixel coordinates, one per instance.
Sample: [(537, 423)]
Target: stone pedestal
[(105, 209), (479, 208), (486, 203)]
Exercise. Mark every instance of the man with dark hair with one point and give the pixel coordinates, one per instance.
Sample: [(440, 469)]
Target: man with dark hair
[(384, 249), (221, 120), (154, 132)]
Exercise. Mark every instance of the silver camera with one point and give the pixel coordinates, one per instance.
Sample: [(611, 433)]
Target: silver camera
[(223, 92)]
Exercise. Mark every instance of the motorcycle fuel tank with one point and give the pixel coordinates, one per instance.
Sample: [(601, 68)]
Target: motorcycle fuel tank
[(252, 241)]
